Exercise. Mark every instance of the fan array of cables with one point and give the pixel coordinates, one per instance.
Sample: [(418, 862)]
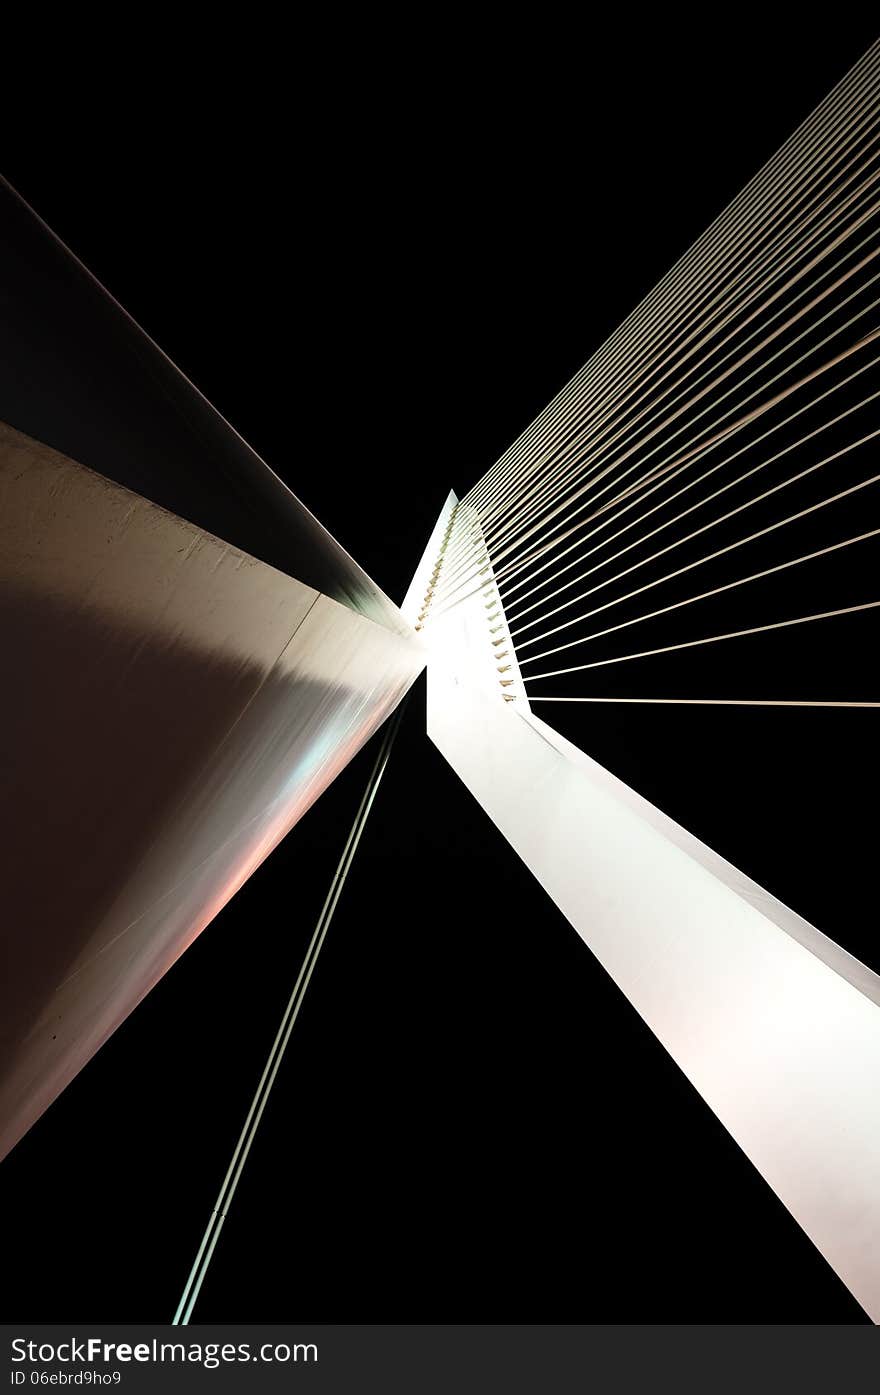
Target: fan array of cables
[(707, 485)]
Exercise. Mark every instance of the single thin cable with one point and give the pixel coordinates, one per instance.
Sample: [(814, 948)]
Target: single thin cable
[(714, 702), (239, 1157)]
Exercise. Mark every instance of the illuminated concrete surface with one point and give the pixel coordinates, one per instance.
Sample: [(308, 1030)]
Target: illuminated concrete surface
[(776, 1026), (170, 708)]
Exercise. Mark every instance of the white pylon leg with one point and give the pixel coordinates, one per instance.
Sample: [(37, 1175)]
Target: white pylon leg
[(775, 1025)]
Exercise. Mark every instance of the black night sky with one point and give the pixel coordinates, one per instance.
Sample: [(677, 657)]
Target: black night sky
[(380, 287)]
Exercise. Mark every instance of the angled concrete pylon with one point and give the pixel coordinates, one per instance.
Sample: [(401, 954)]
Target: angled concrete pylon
[(776, 1026), (170, 707)]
